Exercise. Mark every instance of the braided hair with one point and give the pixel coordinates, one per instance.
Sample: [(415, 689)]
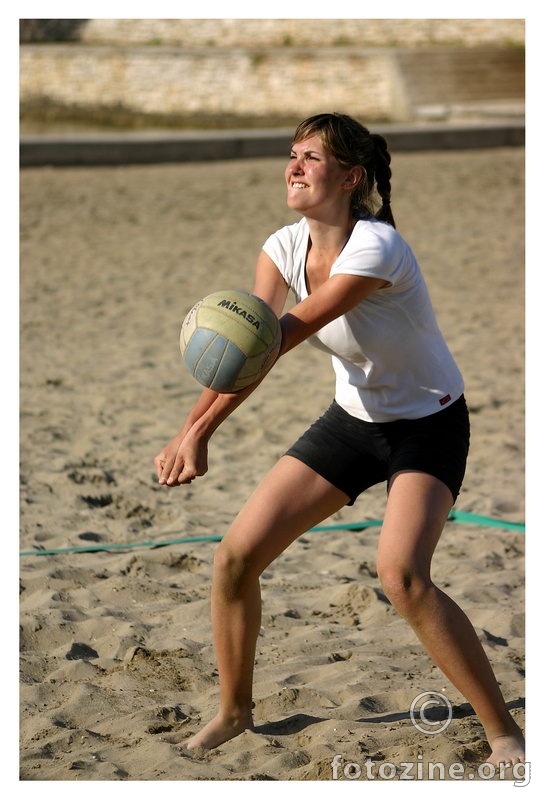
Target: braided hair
[(353, 145)]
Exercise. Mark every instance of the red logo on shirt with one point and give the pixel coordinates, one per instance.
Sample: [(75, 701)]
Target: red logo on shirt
[(444, 400)]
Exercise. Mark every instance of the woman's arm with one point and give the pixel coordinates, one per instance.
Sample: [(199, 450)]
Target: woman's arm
[(185, 456), (269, 284), (338, 295)]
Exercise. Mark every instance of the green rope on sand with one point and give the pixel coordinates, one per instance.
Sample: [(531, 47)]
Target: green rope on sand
[(478, 519), (454, 516)]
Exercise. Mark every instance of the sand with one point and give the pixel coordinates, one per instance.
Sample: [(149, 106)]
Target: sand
[(116, 652)]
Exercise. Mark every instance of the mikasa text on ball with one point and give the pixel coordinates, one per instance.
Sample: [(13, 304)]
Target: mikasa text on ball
[(229, 339)]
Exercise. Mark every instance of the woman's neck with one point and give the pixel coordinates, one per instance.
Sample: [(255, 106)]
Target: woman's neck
[(329, 237)]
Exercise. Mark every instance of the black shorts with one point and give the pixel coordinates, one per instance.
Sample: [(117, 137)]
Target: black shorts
[(353, 454)]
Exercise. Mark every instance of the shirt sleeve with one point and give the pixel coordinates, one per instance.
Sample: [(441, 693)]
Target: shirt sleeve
[(376, 251), (278, 246)]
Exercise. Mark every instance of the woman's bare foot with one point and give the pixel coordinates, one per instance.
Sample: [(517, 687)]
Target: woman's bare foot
[(507, 749), (218, 731)]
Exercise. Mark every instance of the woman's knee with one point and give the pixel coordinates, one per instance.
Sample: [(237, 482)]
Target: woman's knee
[(404, 586), (232, 568)]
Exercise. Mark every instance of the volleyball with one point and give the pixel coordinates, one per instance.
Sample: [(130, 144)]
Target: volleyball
[(229, 339)]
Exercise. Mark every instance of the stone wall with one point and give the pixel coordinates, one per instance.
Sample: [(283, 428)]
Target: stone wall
[(203, 83), (209, 78), (304, 32)]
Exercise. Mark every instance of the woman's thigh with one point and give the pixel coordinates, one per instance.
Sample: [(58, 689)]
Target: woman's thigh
[(417, 508), (289, 500)]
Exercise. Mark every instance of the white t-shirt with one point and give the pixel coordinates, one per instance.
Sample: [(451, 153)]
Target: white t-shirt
[(389, 356)]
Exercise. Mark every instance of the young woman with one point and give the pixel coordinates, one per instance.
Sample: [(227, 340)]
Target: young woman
[(398, 416)]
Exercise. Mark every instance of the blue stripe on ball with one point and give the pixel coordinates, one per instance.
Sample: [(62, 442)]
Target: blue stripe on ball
[(228, 370), (213, 360), (196, 347)]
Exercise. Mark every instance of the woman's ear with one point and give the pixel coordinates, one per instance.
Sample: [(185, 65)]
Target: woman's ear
[(353, 177)]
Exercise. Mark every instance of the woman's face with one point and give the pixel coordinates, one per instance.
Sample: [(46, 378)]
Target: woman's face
[(315, 180)]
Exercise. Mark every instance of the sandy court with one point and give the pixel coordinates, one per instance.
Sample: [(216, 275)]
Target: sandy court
[(111, 260)]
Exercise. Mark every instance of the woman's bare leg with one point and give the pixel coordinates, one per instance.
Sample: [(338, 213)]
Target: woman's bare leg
[(417, 509), (291, 499)]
